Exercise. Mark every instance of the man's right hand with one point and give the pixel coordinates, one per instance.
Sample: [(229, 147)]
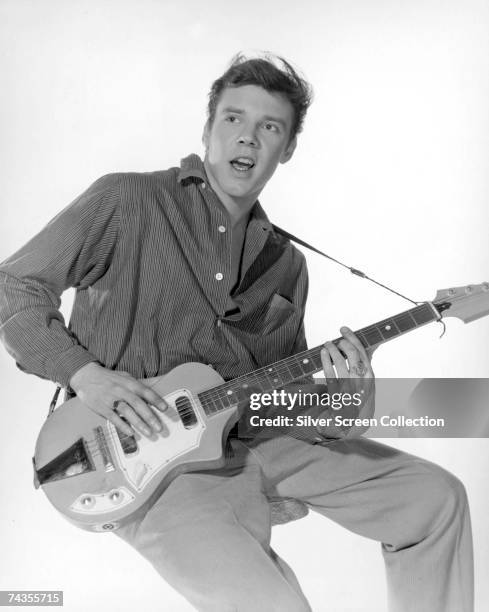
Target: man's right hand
[(114, 394)]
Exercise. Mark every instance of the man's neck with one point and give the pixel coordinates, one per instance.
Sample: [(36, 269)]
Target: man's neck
[(238, 209), (238, 213)]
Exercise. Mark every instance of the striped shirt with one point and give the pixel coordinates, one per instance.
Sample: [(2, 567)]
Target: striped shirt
[(149, 255)]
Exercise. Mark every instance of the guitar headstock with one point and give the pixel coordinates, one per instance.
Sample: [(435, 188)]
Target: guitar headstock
[(467, 303)]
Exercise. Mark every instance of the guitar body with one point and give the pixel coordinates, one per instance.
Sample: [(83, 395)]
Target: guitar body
[(100, 479)]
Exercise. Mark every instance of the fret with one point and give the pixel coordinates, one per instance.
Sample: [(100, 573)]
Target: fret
[(362, 339), (388, 329), (215, 403), (266, 380), (287, 375), (372, 335), (315, 357), (213, 407), (231, 397), (235, 394), (423, 314), (225, 399), (295, 369), (271, 378), (405, 321), (307, 364), (208, 405)]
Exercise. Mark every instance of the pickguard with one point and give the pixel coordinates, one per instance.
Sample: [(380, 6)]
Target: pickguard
[(162, 449)]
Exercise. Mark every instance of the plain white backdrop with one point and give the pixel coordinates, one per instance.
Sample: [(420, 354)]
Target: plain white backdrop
[(390, 175)]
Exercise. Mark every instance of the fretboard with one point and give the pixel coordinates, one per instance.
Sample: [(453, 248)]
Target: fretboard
[(308, 362)]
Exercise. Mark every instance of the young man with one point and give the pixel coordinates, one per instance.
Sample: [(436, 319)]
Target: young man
[(183, 265)]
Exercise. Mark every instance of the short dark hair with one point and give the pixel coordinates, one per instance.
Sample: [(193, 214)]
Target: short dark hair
[(264, 72)]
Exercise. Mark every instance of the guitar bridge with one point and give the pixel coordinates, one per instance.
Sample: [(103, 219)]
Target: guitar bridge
[(104, 449)]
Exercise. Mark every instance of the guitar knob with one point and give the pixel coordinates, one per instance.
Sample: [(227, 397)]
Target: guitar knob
[(115, 497), (87, 501)]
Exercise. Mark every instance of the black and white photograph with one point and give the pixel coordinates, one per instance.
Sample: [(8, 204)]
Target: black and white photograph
[(220, 225)]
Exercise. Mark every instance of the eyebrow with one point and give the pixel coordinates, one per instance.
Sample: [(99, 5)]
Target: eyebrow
[(240, 111)]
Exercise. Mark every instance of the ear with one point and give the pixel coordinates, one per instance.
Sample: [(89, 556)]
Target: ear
[(289, 151)]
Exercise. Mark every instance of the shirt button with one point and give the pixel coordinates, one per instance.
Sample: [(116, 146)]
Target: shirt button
[(219, 276), (222, 229)]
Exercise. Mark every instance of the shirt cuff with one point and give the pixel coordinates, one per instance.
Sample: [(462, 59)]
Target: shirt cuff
[(67, 363)]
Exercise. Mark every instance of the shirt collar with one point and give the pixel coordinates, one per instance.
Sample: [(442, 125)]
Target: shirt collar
[(193, 167), (258, 215)]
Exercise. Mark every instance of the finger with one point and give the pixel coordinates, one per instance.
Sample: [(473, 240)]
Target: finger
[(142, 409), (121, 425), (150, 396), (338, 360), (126, 409), (358, 368), (361, 367), (153, 398), (347, 333), (143, 391), (351, 352), (329, 373), (370, 352)]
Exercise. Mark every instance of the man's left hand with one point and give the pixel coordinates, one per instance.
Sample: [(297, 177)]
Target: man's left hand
[(350, 372)]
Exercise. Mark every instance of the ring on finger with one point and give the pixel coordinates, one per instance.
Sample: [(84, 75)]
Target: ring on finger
[(359, 369), (116, 406)]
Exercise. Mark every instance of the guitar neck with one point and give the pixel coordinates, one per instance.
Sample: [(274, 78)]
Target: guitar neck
[(306, 363)]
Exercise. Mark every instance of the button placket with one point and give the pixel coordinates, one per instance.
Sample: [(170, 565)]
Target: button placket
[(221, 274)]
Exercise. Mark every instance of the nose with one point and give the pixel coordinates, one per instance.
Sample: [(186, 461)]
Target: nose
[(248, 137)]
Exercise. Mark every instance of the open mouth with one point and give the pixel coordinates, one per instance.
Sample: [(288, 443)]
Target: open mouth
[(242, 164)]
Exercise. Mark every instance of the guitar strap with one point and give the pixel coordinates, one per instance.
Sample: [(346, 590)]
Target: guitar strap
[(355, 271), (290, 236)]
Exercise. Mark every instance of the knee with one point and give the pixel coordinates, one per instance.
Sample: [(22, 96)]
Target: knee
[(433, 502), (442, 494)]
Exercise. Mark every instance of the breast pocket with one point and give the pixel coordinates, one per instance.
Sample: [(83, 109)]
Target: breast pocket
[(279, 311)]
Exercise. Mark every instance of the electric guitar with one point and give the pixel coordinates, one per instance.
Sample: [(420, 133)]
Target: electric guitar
[(99, 478)]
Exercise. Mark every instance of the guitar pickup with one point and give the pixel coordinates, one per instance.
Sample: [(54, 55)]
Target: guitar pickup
[(186, 411), (128, 443)]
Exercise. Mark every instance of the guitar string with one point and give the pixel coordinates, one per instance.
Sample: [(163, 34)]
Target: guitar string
[(280, 368), (260, 376), (93, 444), (288, 360)]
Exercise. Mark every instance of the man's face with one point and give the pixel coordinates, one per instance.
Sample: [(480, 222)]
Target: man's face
[(248, 138)]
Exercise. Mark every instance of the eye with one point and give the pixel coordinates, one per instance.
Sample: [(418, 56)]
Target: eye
[(231, 119), (271, 127)]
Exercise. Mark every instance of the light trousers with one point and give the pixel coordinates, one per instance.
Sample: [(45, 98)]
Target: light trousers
[(208, 535)]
